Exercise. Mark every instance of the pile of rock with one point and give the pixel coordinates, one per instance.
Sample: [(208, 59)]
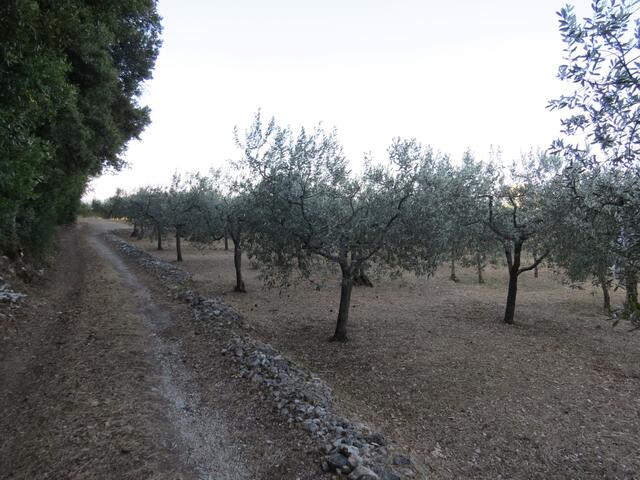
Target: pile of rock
[(7, 294), (164, 270), (348, 448), (211, 310)]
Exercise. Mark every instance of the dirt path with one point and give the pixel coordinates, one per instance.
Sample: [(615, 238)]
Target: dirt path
[(99, 379)]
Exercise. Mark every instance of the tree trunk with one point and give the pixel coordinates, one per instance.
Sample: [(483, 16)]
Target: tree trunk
[(141, 232), (361, 279), (178, 245), (159, 232), (226, 243), (453, 277), (510, 309), (346, 286), (606, 298), (237, 262), (631, 286), (535, 269), (135, 232), (606, 302), (514, 272), (12, 249), (479, 266)]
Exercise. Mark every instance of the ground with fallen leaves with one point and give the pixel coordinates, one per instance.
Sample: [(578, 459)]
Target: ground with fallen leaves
[(429, 362)]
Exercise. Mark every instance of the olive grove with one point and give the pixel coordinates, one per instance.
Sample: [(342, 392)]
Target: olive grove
[(293, 206)]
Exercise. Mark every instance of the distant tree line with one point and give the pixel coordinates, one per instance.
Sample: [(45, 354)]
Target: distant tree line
[(70, 77)]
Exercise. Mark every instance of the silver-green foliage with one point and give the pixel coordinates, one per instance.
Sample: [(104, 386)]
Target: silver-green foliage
[(601, 138), (309, 207)]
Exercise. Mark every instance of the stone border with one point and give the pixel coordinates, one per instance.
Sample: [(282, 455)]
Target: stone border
[(7, 294), (347, 447)]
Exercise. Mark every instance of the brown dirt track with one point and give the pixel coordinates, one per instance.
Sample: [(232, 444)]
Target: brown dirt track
[(104, 376), (555, 396)]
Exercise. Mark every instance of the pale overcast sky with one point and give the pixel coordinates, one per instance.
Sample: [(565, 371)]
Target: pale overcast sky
[(455, 75)]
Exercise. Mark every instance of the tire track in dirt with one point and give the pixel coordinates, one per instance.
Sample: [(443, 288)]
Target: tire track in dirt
[(27, 367), (204, 433)]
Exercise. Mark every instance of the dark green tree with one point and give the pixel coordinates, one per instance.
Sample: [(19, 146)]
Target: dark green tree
[(70, 76)]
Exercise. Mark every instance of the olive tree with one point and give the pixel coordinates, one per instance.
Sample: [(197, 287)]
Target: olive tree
[(184, 202), (522, 210), (583, 249), (309, 206), (601, 138), (156, 213), (236, 212), (135, 208), (466, 233), (146, 207), (220, 209)]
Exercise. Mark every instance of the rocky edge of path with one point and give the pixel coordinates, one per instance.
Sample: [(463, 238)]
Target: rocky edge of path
[(7, 293), (347, 448)]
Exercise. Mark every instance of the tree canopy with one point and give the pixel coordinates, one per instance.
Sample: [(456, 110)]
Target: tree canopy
[(601, 138), (70, 76)]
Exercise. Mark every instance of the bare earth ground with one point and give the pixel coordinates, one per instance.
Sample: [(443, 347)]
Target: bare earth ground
[(102, 375), (429, 361)]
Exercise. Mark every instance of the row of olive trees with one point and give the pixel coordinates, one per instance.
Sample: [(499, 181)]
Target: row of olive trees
[(294, 204)]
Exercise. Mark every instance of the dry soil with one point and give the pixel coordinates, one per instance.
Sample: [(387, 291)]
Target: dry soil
[(429, 362)]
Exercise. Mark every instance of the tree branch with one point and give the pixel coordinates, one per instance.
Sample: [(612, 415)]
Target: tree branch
[(535, 263)]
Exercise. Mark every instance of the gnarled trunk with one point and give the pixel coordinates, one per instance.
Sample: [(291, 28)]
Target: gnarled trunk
[(606, 298), (159, 232), (135, 232), (512, 293), (346, 286), (178, 245), (453, 277), (479, 266), (226, 242), (513, 260), (237, 262)]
